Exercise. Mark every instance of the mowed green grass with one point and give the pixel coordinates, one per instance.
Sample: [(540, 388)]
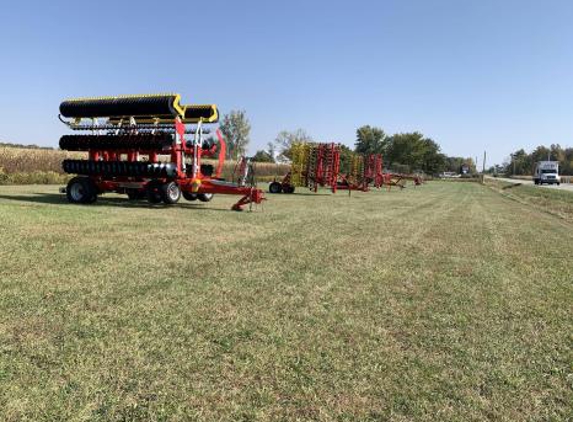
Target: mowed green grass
[(552, 201), (446, 302)]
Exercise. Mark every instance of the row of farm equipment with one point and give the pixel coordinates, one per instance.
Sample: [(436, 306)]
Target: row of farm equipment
[(152, 146), (329, 165)]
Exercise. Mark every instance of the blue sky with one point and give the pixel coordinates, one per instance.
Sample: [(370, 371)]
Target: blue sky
[(473, 75)]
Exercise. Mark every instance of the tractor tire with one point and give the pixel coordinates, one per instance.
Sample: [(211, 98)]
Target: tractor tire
[(154, 192), (288, 189), (275, 187), (205, 197), (81, 190), (190, 196), (171, 193)]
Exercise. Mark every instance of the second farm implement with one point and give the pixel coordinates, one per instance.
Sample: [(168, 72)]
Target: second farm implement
[(315, 165)]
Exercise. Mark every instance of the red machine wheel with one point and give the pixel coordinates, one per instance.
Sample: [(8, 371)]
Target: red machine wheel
[(81, 190), (170, 192), (275, 187), (190, 196), (154, 194), (288, 189)]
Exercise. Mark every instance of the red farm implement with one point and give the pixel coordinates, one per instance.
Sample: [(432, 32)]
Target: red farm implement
[(399, 180), (317, 165), (361, 172), (313, 165), (138, 146)]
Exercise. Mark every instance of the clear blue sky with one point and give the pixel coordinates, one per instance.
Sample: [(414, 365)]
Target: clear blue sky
[(473, 75)]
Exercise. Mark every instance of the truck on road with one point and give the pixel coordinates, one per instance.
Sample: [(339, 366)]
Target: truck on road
[(546, 172)]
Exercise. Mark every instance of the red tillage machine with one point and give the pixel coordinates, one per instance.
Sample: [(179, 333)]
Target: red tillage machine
[(138, 146)]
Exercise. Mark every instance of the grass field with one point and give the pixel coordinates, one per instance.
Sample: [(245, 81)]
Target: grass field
[(551, 201), (447, 302)]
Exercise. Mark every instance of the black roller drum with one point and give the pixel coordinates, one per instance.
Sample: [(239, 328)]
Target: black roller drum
[(151, 105), (115, 142), (208, 112), (119, 168)]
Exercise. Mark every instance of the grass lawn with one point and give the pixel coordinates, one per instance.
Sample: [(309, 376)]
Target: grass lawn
[(447, 302), (552, 201)]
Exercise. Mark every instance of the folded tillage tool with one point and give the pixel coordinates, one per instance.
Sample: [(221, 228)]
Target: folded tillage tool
[(137, 145)]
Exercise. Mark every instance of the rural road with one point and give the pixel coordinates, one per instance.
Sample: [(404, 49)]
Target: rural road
[(562, 186)]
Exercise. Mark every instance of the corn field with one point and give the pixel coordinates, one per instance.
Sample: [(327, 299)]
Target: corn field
[(41, 166), (264, 172), (20, 160)]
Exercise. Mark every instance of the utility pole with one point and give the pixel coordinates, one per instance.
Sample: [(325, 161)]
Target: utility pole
[(483, 168)]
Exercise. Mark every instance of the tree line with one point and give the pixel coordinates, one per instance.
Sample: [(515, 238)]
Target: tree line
[(402, 152), (22, 146), (522, 163), (408, 152)]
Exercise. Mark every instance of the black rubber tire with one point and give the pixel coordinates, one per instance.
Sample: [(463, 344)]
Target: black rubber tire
[(154, 192), (171, 193), (275, 187), (205, 197), (288, 189), (190, 196), (81, 190)]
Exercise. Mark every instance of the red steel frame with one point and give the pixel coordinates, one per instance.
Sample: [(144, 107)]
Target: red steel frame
[(399, 180), (325, 171), (195, 183), (372, 174)]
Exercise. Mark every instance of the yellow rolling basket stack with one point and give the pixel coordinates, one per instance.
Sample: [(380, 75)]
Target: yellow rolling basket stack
[(300, 155)]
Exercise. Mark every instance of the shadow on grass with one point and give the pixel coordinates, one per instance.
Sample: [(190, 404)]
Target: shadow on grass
[(306, 194), (60, 199), (511, 186), (38, 198)]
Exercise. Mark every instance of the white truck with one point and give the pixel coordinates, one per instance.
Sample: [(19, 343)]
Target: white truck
[(546, 172)]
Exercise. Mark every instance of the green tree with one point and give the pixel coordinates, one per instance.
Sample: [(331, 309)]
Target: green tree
[(567, 165), (262, 156), (236, 129), (370, 140), (416, 152), (455, 164), (521, 163), (558, 153), (541, 153)]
